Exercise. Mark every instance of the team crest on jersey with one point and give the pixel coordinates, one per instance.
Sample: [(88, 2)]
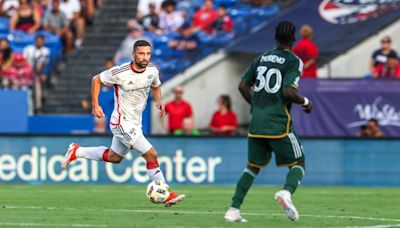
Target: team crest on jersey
[(353, 11), (130, 83)]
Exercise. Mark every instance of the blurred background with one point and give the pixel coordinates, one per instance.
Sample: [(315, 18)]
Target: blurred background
[(50, 50)]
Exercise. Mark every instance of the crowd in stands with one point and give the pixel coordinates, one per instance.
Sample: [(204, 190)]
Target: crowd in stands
[(180, 117), (186, 31), (34, 35)]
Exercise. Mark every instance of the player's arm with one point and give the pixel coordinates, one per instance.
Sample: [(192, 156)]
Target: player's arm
[(248, 80), (245, 90), (291, 84), (156, 92), (95, 92)]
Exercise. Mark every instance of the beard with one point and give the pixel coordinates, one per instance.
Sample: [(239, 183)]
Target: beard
[(142, 64)]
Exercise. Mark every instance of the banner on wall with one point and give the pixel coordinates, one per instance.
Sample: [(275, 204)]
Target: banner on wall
[(341, 107), (37, 160)]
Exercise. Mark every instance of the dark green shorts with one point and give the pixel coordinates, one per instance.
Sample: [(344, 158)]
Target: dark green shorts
[(288, 151)]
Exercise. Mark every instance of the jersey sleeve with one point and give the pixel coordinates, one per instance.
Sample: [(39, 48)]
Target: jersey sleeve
[(249, 75), (293, 72), (107, 77), (156, 80)]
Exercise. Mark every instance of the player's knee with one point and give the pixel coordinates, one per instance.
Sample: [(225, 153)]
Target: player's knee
[(253, 169), (150, 155), (300, 163), (116, 160)]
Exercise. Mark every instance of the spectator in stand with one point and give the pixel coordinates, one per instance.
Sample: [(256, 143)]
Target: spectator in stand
[(20, 73), (374, 129), (124, 52), (150, 21), (186, 41), (38, 7), (143, 7), (380, 56), (188, 128), (177, 110), (25, 18), (8, 7), (6, 57), (170, 19), (224, 23), (224, 120), (205, 17), (364, 132), (391, 69), (38, 57), (72, 10), (88, 10), (56, 22), (307, 51)]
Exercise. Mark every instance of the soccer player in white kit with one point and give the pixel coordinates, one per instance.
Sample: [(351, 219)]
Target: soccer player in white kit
[(132, 82)]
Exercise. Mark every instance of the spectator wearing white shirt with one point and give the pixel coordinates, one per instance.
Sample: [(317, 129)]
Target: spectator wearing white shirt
[(171, 20), (72, 10), (143, 7), (37, 56)]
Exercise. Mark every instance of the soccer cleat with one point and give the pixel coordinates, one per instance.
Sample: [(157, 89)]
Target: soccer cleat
[(233, 215), (70, 155), (283, 197), (173, 199)]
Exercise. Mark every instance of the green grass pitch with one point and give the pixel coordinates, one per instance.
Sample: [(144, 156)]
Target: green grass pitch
[(127, 206)]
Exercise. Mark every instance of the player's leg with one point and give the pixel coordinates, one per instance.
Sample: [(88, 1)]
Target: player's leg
[(149, 153), (259, 154), (289, 152), (114, 154)]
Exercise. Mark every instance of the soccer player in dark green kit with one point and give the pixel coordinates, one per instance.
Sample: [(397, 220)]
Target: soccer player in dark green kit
[(270, 85)]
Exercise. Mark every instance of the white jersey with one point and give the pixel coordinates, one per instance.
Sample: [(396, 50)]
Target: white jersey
[(131, 90)]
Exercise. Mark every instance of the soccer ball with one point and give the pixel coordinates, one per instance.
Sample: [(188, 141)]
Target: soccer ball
[(157, 192)]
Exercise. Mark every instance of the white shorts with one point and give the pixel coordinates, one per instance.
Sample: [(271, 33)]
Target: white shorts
[(124, 140)]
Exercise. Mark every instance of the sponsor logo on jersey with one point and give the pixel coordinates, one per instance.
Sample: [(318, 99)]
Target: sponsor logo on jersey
[(353, 11), (386, 114), (149, 76), (130, 83)]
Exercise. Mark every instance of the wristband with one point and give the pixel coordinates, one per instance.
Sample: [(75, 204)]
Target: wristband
[(306, 101)]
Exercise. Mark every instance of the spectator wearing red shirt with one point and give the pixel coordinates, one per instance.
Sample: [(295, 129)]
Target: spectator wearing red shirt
[(204, 18), (20, 73), (391, 69), (307, 51), (177, 110), (224, 121)]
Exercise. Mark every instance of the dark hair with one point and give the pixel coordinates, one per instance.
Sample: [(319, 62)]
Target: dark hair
[(226, 100), (40, 36), (364, 127), (141, 43), (285, 33), (373, 120)]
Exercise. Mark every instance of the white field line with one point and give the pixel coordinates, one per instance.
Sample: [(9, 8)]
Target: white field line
[(197, 212), (375, 226), (30, 224)]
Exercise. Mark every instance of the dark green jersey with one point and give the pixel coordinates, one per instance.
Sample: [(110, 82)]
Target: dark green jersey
[(270, 110)]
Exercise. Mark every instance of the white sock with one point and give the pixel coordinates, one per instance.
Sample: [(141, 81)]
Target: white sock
[(93, 153), (154, 172)]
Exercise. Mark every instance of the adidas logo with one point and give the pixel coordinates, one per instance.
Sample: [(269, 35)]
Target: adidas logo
[(130, 83)]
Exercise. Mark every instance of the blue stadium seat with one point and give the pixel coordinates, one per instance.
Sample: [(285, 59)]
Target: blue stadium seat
[(4, 25)]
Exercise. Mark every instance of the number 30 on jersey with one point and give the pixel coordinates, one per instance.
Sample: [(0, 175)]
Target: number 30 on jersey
[(264, 76)]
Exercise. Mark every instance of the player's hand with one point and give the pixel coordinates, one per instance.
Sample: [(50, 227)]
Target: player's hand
[(308, 108), (161, 108), (97, 111)]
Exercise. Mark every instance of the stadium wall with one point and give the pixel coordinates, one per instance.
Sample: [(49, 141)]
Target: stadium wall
[(355, 62), (33, 159), (203, 87)]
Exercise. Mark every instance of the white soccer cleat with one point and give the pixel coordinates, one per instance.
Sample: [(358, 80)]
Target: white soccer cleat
[(70, 155), (233, 215), (283, 197)]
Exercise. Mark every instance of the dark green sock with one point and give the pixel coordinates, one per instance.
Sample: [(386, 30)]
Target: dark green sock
[(242, 187), (293, 178)]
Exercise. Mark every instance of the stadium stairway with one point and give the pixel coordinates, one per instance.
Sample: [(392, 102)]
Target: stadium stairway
[(101, 41)]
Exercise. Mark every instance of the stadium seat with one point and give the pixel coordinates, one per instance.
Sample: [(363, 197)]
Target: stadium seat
[(4, 25)]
